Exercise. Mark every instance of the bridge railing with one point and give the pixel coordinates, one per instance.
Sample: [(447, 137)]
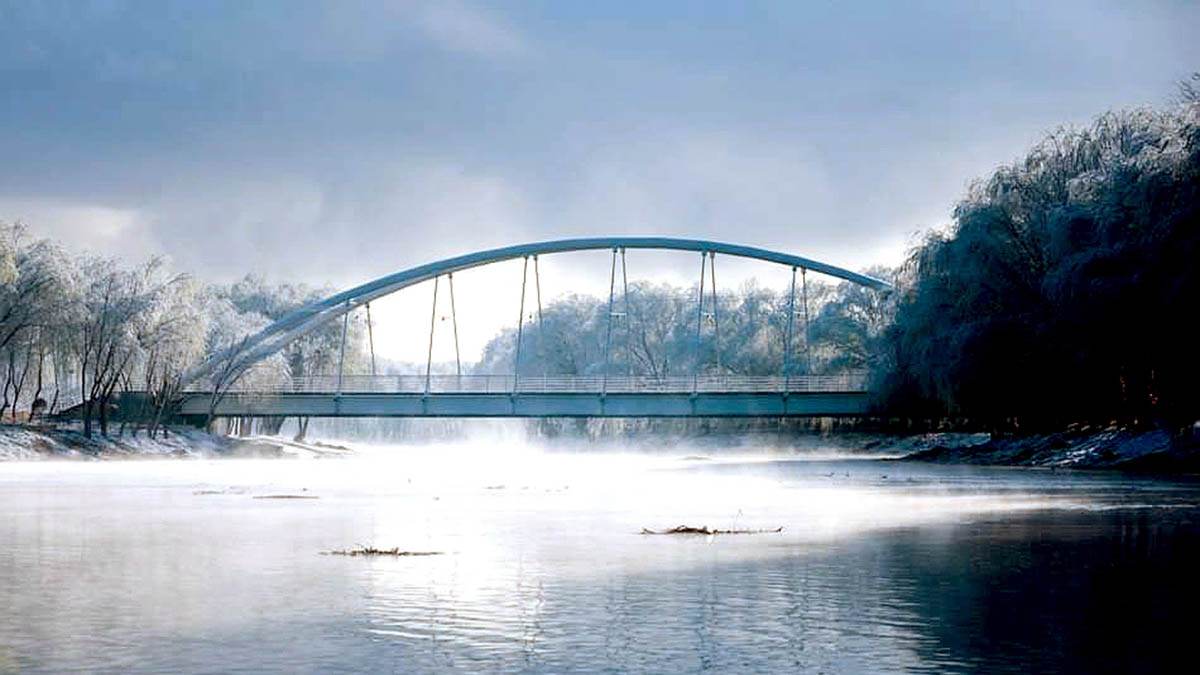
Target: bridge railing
[(558, 384)]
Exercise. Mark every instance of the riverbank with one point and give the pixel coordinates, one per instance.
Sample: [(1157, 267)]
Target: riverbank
[(1077, 448), (32, 443)]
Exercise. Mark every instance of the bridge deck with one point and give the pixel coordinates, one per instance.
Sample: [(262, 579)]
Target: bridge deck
[(733, 404), (544, 396), (553, 384)]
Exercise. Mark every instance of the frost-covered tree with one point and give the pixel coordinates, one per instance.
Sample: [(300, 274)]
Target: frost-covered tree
[(173, 336), (848, 330), (32, 281), (1066, 289), (657, 336), (315, 353), (113, 310)]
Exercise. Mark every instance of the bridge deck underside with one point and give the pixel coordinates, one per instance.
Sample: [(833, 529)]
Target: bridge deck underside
[(670, 404)]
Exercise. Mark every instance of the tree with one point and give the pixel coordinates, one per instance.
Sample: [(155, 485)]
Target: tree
[(32, 281), (848, 330), (109, 321), (1189, 90), (657, 336), (1063, 292), (314, 354), (172, 339)]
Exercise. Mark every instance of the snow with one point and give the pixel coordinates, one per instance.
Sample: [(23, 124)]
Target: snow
[(21, 443)]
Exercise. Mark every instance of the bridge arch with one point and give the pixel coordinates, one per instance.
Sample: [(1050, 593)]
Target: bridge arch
[(276, 336)]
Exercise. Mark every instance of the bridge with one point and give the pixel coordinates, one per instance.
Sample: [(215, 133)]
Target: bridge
[(215, 387), (544, 396)]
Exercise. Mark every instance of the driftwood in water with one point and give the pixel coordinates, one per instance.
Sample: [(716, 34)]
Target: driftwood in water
[(685, 529), (368, 550)]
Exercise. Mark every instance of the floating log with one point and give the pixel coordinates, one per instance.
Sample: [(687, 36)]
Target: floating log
[(371, 551), (686, 529)]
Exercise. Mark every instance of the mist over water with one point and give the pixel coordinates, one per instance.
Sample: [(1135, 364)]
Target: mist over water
[(881, 566)]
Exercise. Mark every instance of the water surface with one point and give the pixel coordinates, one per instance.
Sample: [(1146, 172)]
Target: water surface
[(174, 566)]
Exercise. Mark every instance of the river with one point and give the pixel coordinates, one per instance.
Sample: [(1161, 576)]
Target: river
[(882, 566)]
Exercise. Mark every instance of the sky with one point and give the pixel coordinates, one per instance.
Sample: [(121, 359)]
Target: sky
[(334, 142)]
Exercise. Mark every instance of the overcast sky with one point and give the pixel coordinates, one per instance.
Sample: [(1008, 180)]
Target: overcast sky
[(334, 142)]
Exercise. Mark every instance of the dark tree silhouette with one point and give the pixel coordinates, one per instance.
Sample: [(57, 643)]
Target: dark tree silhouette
[(1066, 289)]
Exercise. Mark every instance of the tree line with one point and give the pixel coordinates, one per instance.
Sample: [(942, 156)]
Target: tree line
[(78, 331)]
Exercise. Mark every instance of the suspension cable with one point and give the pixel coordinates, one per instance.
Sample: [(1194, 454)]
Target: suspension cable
[(541, 341), (537, 282), (612, 278), (712, 268), (432, 323), (807, 335), (699, 319), (787, 345), (454, 321), (520, 325), (342, 355), (371, 337), (628, 318)]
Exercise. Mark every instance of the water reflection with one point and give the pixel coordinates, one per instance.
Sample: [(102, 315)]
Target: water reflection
[(882, 566)]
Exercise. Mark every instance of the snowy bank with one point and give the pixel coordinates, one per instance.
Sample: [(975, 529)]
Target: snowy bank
[(1079, 448), (28, 443), (49, 442)]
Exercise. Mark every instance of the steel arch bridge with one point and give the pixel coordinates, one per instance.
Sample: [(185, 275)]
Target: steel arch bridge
[(208, 385)]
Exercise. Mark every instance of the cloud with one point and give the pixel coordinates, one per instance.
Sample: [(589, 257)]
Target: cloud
[(341, 227), (459, 27), (706, 183), (331, 141), (86, 228)]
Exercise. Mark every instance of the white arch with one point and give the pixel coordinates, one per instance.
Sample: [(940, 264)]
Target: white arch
[(277, 335)]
